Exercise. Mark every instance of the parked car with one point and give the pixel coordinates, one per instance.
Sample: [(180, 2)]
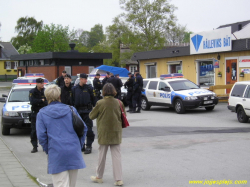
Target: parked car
[(178, 93), (239, 100)]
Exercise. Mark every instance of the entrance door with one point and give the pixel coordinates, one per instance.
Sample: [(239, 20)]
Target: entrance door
[(231, 72)]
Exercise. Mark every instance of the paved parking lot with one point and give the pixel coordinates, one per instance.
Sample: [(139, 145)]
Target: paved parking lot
[(162, 148)]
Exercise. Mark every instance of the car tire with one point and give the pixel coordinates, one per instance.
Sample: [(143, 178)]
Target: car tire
[(5, 130), (210, 108), (178, 106), (241, 115), (144, 104)]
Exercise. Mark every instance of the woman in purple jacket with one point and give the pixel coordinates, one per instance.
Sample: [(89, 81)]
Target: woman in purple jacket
[(56, 135)]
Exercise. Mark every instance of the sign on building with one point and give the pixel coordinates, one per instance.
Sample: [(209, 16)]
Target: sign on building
[(211, 41), (244, 61)]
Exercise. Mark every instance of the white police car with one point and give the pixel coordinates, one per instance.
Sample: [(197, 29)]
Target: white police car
[(16, 110), (174, 91)]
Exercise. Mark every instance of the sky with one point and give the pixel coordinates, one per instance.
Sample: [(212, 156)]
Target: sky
[(197, 15)]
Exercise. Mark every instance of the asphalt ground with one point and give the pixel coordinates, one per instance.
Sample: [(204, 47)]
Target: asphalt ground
[(162, 148)]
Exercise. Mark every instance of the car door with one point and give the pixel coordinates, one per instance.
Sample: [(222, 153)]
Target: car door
[(151, 91), (246, 101), (163, 94)]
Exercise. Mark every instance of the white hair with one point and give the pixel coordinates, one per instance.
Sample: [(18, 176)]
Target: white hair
[(52, 93)]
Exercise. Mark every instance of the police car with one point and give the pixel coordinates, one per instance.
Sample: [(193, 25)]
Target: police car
[(173, 90), (16, 110)]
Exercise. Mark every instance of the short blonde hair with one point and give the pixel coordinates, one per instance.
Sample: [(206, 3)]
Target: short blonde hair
[(52, 93), (109, 90)]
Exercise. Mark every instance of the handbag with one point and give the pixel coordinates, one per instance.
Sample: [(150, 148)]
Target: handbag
[(123, 116), (77, 123)]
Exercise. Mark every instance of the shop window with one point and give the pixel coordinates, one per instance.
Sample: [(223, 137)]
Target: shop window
[(151, 71), (206, 73), (7, 65), (21, 63), (132, 68), (36, 62)]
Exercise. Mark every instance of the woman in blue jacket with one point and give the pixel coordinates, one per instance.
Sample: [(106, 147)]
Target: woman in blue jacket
[(56, 135)]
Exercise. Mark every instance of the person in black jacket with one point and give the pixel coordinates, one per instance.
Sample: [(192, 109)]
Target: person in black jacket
[(66, 90), (97, 86), (37, 101), (117, 83), (129, 86), (104, 81), (83, 100), (137, 88), (60, 80)]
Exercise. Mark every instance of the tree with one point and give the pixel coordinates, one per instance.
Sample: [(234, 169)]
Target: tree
[(187, 37), (54, 38), (176, 35), (27, 29), (24, 49), (95, 35)]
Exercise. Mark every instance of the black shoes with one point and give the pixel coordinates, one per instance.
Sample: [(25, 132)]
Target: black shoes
[(135, 111), (88, 150), (83, 148), (34, 150)]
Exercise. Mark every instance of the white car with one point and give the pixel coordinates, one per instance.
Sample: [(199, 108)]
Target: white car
[(239, 100), (179, 93)]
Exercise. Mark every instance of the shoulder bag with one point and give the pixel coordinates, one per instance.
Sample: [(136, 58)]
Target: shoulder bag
[(77, 123), (123, 116)]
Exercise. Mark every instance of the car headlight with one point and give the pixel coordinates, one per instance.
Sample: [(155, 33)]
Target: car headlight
[(191, 98), (11, 114)]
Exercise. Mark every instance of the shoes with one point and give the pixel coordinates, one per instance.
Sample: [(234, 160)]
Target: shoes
[(96, 180), (128, 110), (118, 183), (83, 148), (88, 150), (138, 111), (34, 150)]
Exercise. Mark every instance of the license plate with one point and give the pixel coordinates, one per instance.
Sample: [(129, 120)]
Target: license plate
[(26, 121), (208, 102)]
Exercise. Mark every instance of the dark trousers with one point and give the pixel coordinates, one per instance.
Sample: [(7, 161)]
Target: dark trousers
[(90, 133), (33, 136), (136, 99), (129, 99)]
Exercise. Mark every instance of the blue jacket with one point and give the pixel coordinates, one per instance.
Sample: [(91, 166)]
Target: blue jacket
[(58, 138)]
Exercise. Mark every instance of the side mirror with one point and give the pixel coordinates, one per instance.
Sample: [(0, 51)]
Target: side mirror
[(3, 95), (167, 89), (2, 100)]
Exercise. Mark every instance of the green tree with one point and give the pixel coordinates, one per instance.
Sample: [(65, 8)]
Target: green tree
[(176, 35), (187, 37), (54, 38), (27, 29), (24, 49), (96, 35)]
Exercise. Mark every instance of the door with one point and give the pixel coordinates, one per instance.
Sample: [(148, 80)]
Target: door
[(163, 96), (246, 101), (151, 91), (231, 73)]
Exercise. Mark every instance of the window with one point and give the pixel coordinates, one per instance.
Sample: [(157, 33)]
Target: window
[(30, 62), (132, 68), (41, 63), (8, 65), (162, 86), (36, 62), (238, 90), (15, 64), (91, 68), (21, 63), (145, 84), (153, 85), (183, 85), (53, 62), (247, 93), (46, 62), (206, 73), (151, 71), (175, 68)]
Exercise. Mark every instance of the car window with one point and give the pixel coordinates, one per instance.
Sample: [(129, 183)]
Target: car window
[(238, 90), (153, 85), (162, 86), (145, 84), (19, 95), (247, 93), (183, 85)]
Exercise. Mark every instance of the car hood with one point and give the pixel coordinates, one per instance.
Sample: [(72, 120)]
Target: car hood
[(17, 106), (194, 92)]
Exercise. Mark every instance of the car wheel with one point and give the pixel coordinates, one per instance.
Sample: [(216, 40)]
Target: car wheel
[(178, 106), (144, 104), (209, 108), (241, 115), (5, 130)]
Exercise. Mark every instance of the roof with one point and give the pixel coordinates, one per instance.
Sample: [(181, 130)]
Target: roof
[(237, 45), (7, 49), (234, 26), (62, 55)]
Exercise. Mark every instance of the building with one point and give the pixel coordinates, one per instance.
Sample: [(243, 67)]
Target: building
[(214, 57), (51, 64), (130, 65), (8, 67)]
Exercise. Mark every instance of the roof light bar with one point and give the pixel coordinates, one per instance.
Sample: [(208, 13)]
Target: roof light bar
[(171, 76)]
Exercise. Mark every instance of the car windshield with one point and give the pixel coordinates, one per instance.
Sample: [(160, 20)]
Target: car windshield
[(183, 85), (19, 95)]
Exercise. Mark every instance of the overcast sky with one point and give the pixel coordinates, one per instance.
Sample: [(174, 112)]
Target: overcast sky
[(197, 15)]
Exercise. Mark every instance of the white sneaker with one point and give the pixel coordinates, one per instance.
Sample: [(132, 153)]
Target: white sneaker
[(96, 180), (118, 183)]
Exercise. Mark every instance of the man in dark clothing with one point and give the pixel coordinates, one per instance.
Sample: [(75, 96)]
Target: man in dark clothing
[(60, 80), (66, 90), (97, 86), (119, 93), (129, 86), (37, 101), (104, 81), (117, 83), (83, 100), (137, 88)]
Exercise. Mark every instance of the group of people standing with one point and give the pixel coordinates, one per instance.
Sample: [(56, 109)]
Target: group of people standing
[(51, 123)]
